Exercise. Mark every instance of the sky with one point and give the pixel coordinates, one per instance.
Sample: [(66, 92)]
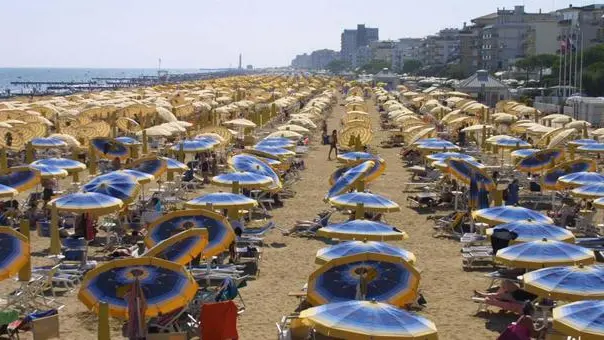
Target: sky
[(212, 33)]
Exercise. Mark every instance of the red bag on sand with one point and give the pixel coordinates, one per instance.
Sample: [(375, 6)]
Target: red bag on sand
[(218, 321)]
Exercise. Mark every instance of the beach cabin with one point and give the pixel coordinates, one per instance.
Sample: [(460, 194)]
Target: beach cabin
[(485, 88), (391, 79)]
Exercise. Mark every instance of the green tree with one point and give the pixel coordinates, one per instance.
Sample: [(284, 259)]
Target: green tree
[(593, 79), (543, 61), (526, 64), (411, 66), (338, 66), (454, 71), (375, 66)]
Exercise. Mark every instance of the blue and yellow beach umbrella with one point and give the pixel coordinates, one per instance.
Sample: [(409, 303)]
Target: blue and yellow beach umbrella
[(523, 153), (362, 230), (221, 200), (220, 232), (242, 179), (173, 165), (270, 152), (21, 178), (368, 320), (166, 285), (578, 179), (550, 179), (357, 247), (544, 253), (47, 143), (350, 178), (181, 248), (128, 141), (87, 202), (153, 165), (49, 171), (582, 319), (66, 164), (539, 161), (569, 283), (109, 148), (14, 252), (591, 191), (375, 172), (465, 171), (367, 276), (141, 177), (507, 214), (256, 165), (528, 231), (355, 157), (369, 201), (115, 184)]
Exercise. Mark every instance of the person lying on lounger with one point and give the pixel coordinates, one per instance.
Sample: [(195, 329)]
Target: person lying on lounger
[(508, 297)]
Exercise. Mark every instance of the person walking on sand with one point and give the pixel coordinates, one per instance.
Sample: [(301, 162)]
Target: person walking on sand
[(333, 144)]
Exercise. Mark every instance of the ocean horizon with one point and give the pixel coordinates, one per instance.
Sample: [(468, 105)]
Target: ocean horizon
[(40, 74)]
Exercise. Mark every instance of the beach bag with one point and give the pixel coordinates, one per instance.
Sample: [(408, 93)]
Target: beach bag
[(510, 334)]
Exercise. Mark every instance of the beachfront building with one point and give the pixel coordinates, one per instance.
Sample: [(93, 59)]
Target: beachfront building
[(499, 39), (351, 41), (386, 76), (302, 61), (485, 88), (319, 59), (586, 22), (405, 49), (382, 50), (440, 49)]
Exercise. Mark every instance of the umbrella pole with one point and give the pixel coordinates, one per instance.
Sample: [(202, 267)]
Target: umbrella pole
[(235, 187), (55, 243), (145, 143), (25, 272), (360, 185), (103, 330), (3, 162), (359, 212), (92, 160)]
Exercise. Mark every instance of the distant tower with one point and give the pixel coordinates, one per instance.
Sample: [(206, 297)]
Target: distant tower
[(240, 61)]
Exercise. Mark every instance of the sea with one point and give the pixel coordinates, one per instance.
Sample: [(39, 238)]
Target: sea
[(8, 75)]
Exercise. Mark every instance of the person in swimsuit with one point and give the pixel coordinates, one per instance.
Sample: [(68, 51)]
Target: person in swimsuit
[(524, 328)]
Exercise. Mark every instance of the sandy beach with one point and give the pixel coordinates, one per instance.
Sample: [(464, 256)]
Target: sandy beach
[(288, 261)]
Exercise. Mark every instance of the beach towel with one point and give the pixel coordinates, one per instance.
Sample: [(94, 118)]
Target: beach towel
[(218, 321)]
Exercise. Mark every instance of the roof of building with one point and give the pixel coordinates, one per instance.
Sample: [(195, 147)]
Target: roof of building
[(487, 16), (479, 79)]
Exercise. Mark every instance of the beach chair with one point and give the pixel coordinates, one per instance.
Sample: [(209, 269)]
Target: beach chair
[(474, 259), (445, 227), (46, 328), (309, 228)]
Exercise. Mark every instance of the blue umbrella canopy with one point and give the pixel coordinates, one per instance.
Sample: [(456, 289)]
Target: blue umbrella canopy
[(590, 191), (254, 164), (443, 156), (550, 180), (128, 141), (141, 177), (67, 164), (49, 171), (195, 146), (581, 142), (507, 214), (510, 142), (376, 171), (244, 179), (166, 285), (21, 178), (465, 171), (367, 276), (359, 320), (429, 140), (522, 153), (539, 160), (222, 200), (544, 253), (355, 157), (109, 148), (14, 252), (47, 143), (270, 152), (174, 165), (349, 179), (277, 142), (87, 202), (370, 202), (583, 319), (529, 231), (569, 283), (153, 165), (593, 147), (6, 191), (115, 184), (578, 179), (438, 146), (362, 230), (181, 248), (220, 232), (357, 247)]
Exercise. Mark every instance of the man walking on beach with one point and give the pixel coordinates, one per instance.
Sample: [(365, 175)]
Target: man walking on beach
[(333, 144)]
